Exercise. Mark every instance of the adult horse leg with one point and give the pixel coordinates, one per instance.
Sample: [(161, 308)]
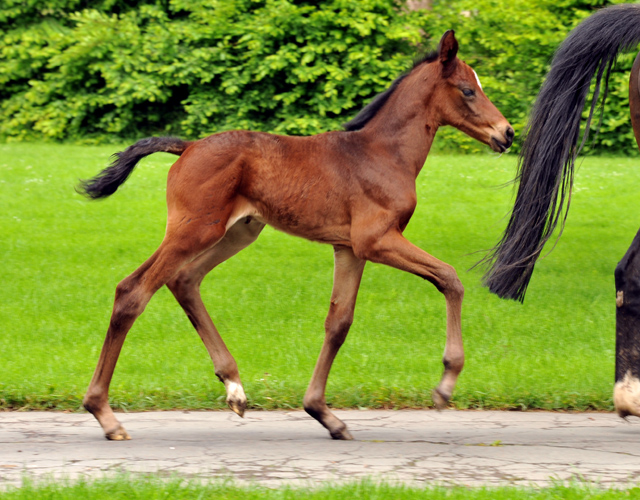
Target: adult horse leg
[(185, 286), (180, 246), (394, 250), (346, 281), (626, 392)]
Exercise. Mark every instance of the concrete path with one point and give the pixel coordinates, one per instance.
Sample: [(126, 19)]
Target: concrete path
[(272, 448)]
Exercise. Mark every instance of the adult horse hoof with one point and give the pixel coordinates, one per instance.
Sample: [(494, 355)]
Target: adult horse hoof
[(342, 434), (626, 396), (118, 435), (439, 400)]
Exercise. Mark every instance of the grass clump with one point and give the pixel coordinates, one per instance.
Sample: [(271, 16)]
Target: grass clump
[(151, 488)]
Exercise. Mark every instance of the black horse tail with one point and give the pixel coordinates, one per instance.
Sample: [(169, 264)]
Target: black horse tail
[(546, 162), (107, 182)]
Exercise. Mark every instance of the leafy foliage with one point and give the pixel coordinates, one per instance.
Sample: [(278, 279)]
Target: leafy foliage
[(112, 70), (196, 67)]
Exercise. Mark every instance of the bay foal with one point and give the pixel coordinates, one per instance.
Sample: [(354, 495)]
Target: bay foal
[(353, 189)]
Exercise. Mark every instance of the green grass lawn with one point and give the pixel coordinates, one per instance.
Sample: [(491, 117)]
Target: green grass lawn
[(150, 488), (62, 257)]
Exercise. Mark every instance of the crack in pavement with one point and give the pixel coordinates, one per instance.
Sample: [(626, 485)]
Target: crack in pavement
[(272, 448)]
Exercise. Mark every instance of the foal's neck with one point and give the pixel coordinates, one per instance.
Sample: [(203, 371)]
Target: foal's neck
[(407, 123)]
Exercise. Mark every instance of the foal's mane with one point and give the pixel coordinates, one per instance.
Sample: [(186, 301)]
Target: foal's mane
[(370, 110)]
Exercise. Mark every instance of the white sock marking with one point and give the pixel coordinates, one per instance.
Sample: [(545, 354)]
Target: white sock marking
[(235, 391), (626, 395)]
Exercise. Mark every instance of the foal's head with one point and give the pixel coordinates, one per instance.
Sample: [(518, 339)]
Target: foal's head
[(460, 100)]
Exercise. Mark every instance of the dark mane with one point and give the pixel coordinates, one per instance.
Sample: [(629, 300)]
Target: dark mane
[(376, 104)]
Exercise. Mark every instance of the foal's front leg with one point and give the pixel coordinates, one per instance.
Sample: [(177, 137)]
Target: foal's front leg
[(346, 281), (394, 250)]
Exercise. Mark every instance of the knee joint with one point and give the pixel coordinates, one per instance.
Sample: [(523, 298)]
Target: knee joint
[(182, 285), (127, 305), (337, 328), (451, 286), (454, 363)]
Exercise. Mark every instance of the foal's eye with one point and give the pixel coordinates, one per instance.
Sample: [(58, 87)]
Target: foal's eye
[(468, 92)]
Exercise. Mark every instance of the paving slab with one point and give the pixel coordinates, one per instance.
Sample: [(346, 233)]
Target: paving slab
[(470, 448)]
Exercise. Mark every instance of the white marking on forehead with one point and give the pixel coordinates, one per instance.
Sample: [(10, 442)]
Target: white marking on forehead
[(477, 79)]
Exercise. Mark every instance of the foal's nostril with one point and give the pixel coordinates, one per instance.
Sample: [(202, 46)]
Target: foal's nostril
[(509, 134)]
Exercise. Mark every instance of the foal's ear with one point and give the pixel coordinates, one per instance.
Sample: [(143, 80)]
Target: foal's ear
[(447, 51)]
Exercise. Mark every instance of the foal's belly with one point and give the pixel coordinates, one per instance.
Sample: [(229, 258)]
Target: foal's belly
[(319, 223)]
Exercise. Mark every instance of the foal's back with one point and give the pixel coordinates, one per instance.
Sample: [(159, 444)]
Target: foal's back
[(300, 185)]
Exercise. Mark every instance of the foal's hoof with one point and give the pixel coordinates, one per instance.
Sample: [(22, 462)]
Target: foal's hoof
[(118, 434), (439, 400), (342, 434), (238, 406), (236, 398)]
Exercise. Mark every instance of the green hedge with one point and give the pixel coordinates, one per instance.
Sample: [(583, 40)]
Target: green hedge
[(193, 67), (112, 70)]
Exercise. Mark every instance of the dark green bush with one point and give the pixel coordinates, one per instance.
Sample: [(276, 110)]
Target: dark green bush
[(114, 69), (194, 67)]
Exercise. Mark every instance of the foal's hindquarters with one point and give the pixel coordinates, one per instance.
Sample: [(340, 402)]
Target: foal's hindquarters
[(196, 240)]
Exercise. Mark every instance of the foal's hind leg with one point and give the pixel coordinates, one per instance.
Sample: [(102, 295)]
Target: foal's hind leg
[(185, 286), (346, 281), (132, 295)]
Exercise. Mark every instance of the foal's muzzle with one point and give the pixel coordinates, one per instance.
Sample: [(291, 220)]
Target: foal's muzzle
[(502, 144)]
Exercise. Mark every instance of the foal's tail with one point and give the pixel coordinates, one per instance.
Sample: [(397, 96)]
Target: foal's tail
[(107, 182), (546, 163)]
